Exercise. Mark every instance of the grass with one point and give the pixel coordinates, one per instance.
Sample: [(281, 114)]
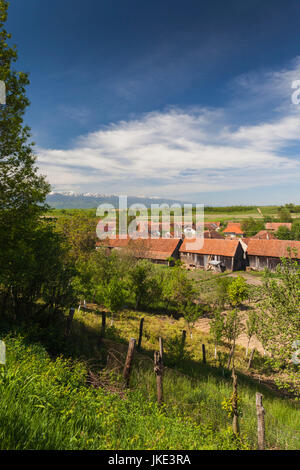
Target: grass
[(47, 401), (196, 389), (46, 404)]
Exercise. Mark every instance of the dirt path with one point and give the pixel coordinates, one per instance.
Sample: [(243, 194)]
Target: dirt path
[(249, 278)]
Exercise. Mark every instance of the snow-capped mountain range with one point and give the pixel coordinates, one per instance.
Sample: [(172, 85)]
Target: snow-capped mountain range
[(77, 200)]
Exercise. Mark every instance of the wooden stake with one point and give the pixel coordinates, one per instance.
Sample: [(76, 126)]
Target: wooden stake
[(161, 347), (158, 369), (140, 333), (260, 411), (183, 338), (128, 362), (69, 321), (251, 359), (235, 421), (203, 354), (103, 324)]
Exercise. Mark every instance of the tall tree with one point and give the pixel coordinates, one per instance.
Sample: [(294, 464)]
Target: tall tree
[(22, 190), (279, 319), (26, 257)]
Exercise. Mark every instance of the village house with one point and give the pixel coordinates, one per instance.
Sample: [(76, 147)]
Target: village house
[(233, 230), (157, 250), (265, 235), (266, 254), (212, 234), (212, 225), (215, 254), (274, 226)]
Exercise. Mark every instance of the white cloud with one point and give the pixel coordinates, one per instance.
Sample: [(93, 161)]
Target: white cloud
[(183, 152)]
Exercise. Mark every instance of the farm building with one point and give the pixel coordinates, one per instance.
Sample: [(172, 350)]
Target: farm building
[(157, 250), (212, 225), (233, 230), (265, 235), (266, 254), (274, 226), (215, 254), (212, 234)]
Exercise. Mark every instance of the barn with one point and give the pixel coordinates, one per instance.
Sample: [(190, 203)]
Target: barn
[(157, 250), (215, 253), (266, 254)]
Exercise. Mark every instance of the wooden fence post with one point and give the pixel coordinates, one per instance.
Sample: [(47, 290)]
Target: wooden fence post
[(69, 321), (235, 421), (203, 353), (128, 362), (251, 359), (183, 338), (158, 369), (161, 347), (260, 411), (103, 324), (140, 333)]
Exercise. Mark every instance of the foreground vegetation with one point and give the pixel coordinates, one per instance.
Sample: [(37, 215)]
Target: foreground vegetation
[(75, 402), (47, 404)]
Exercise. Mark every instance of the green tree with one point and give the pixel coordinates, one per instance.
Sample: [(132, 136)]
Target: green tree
[(222, 295), (295, 232), (251, 327), (144, 283), (217, 329), (96, 270), (79, 231), (191, 314), (238, 291), (283, 233), (251, 226), (114, 296), (233, 327), (22, 190), (279, 318), (33, 263), (284, 214)]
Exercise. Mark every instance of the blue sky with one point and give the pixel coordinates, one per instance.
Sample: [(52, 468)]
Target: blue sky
[(189, 100)]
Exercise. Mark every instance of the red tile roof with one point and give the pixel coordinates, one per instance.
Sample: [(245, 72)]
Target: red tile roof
[(233, 228), (212, 246), (275, 225), (212, 234), (265, 235), (272, 248), (212, 225), (151, 248)]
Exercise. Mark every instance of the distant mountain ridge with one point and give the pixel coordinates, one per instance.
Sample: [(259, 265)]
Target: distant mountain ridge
[(76, 200)]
